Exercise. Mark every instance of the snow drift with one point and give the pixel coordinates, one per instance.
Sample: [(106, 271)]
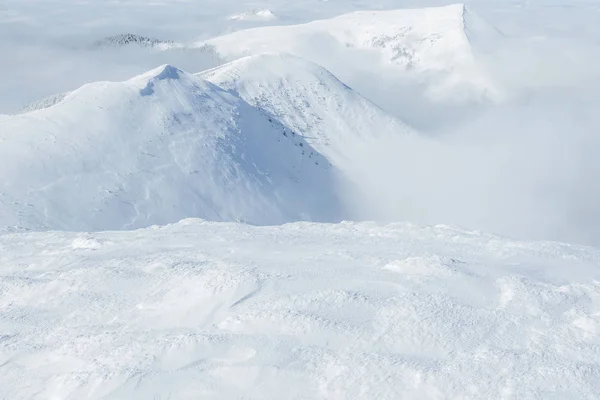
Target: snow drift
[(157, 148)]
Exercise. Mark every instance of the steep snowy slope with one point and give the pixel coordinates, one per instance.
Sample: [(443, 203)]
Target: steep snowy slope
[(310, 101), (155, 149), (432, 45), (222, 311)]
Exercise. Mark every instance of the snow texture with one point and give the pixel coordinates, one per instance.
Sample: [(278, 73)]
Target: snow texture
[(304, 311)]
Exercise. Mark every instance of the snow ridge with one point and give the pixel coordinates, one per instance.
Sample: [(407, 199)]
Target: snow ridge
[(431, 44), (310, 101)]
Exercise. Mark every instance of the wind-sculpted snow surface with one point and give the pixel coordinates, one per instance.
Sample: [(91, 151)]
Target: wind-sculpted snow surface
[(157, 148), (428, 45), (310, 101), (304, 311)]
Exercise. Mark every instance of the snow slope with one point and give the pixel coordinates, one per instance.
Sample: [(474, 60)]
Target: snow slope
[(430, 44), (310, 101), (304, 311), (160, 147)]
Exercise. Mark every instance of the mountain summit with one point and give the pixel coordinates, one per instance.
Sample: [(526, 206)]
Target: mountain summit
[(155, 149)]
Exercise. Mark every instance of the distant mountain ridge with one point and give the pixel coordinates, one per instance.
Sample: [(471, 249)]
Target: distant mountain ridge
[(432, 45), (124, 39), (309, 100)]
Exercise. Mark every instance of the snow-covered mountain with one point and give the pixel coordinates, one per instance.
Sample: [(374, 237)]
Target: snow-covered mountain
[(310, 101), (431, 45), (160, 147)]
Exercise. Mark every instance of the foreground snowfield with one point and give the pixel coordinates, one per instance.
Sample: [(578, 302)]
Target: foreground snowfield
[(300, 311)]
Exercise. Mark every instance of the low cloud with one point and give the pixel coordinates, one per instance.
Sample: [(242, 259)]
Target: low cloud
[(525, 167)]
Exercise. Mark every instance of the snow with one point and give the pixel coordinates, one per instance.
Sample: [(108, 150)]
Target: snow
[(155, 149), (354, 310), (415, 42), (255, 15), (309, 100), (44, 103)]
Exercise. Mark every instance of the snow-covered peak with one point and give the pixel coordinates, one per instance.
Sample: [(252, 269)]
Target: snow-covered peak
[(431, 44), (162, 146), (166, 72), (309, 100), (163, 72)]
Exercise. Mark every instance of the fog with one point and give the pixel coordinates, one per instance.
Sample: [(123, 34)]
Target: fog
[(38, 70), (525, 166)]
